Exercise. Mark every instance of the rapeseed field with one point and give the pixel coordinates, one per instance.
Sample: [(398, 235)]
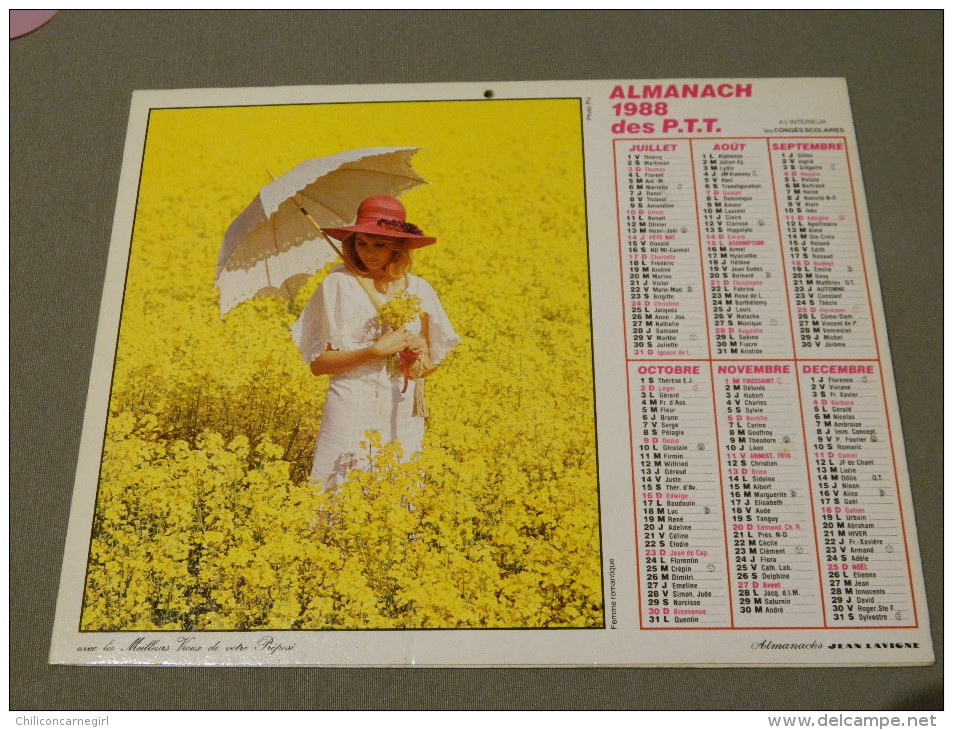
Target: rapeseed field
[(205, 516)]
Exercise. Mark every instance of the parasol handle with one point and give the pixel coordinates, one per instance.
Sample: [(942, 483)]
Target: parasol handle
[(327, 238), (321, 231)]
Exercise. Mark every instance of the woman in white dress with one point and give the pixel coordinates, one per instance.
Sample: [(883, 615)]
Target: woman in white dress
[(340, 335)]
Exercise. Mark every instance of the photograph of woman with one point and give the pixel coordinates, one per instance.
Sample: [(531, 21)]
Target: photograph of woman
[(344, 332), (271, 458)]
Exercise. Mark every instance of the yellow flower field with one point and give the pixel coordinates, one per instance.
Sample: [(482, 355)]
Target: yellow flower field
[(205, 517)]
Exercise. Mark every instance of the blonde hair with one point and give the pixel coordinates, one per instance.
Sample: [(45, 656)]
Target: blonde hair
[(399, 264)]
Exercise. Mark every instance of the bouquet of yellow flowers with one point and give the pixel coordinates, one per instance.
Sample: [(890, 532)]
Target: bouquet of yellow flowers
[(400, 310), (395, 313)]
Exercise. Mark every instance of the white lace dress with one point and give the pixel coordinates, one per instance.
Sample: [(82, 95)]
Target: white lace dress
[(367, 398)]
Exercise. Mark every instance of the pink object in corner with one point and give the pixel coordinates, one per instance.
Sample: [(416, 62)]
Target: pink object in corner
[(25, 21)]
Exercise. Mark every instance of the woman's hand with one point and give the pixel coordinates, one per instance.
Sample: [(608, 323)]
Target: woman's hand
[(393, 342), (418, 345), (334, 362)]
